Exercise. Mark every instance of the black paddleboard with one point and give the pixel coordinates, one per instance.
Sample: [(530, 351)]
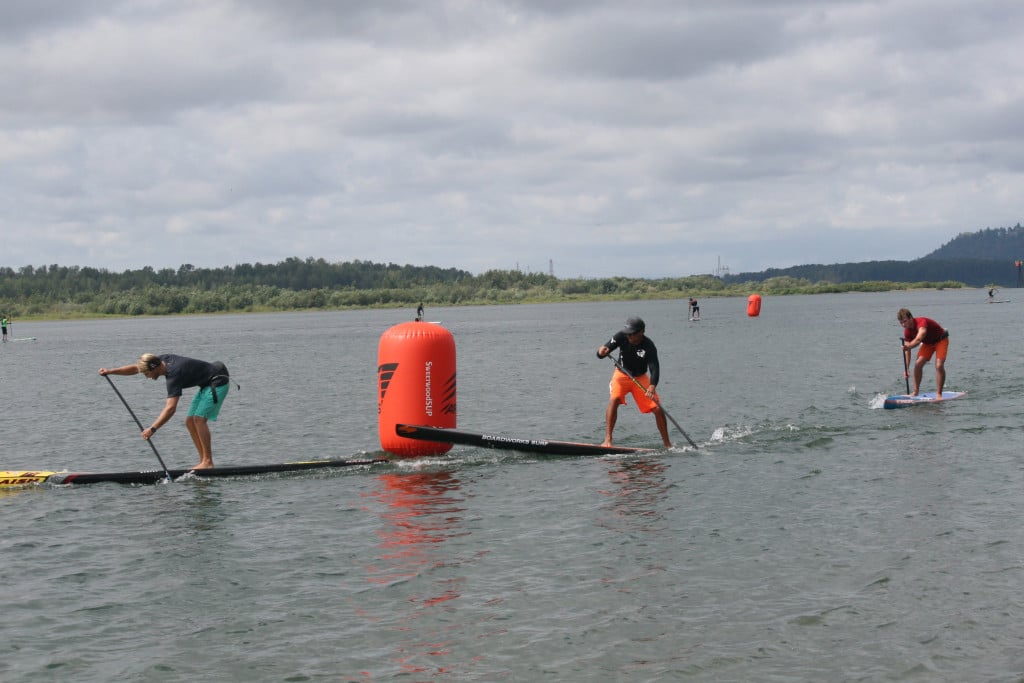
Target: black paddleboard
[(156, 476), (511, 443)]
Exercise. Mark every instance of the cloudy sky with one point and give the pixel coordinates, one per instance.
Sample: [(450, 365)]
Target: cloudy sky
[(646, 138)]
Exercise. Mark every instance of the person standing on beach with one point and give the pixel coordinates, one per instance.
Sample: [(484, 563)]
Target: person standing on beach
[(637, 356), (181, 372), (933, 340)]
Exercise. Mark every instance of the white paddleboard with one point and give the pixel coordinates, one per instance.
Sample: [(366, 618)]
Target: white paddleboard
[(904, 400)]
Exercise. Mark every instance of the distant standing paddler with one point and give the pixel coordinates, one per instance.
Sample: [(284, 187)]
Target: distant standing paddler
[(694, 309)]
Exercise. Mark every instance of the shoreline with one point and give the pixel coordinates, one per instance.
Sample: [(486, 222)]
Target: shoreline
[(522, 298)]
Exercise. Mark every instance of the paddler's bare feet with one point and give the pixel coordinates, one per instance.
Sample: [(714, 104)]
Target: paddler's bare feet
[(203, 465), (607, 443)]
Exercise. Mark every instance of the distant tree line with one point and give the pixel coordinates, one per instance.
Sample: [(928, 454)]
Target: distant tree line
[(294, 284), (297, 284), (292, 273), (981, 259)]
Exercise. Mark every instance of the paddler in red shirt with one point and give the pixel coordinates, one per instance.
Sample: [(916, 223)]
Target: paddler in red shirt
[(933, 340)]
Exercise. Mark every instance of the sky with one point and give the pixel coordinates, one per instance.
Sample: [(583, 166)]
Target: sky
[(585, 138)]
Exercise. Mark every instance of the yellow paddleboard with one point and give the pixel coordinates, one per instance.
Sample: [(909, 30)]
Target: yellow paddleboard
[(23, 477)]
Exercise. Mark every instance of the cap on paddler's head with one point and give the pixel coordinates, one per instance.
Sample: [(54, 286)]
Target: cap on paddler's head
[(634, 325)]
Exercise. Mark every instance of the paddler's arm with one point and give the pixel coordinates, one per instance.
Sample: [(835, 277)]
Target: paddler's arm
[(123, 370), (907, 346), (654, 372), (607, 347), (917, 340), (170, 406)]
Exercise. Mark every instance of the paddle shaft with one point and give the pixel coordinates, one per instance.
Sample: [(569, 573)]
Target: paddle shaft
[(906, 364), (618, 364), (141, 428)]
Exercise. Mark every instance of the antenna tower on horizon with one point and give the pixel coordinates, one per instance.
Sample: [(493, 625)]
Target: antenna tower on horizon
[(721, 270)]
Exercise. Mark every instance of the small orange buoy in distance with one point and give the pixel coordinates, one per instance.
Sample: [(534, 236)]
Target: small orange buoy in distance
[(754, 305)]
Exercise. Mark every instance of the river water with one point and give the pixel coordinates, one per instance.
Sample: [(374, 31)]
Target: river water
[(813, 536)]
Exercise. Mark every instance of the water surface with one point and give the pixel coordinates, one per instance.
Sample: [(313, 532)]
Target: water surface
[(813, 536)]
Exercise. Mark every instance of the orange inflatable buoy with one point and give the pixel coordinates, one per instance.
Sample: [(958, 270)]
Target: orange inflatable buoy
[(754, 305), (415, 385)]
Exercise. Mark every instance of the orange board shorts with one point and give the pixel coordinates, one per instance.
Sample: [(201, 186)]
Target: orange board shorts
[(622, 385), (940, 349)]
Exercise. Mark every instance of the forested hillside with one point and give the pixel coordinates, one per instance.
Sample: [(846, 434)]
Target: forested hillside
[(978, 259), (992, 243)]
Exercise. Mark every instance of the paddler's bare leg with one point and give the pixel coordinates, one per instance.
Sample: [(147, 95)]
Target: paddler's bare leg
[(199, 430), (940, 377), (659, 418), (611, 414)]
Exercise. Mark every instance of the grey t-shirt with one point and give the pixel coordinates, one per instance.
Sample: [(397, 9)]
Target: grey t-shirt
[(184, 372)]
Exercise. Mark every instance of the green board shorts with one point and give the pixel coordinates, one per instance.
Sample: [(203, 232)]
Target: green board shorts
[(203, 404)]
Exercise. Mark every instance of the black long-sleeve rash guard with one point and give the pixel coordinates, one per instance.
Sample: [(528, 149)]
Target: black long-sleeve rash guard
[(636, 359)]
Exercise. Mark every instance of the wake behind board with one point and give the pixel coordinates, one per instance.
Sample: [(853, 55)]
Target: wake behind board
[(904, 400), (10, 478), (511, 443)]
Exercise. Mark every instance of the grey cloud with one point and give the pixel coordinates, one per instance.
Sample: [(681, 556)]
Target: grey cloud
[(648, 138)]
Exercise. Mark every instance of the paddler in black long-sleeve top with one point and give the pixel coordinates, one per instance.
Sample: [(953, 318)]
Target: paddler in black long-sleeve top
[(637, 355), (182, 373)]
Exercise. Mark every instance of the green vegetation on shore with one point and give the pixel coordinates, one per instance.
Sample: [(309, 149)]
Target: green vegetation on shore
[(58, 292)]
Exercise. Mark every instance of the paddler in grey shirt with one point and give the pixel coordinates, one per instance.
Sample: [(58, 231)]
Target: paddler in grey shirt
[(183, 373)]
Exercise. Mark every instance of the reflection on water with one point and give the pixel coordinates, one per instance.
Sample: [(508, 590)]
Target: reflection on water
[(724, 564), (29, 489), (205, 509), (192, 505), (421, 512), (638, 491)]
